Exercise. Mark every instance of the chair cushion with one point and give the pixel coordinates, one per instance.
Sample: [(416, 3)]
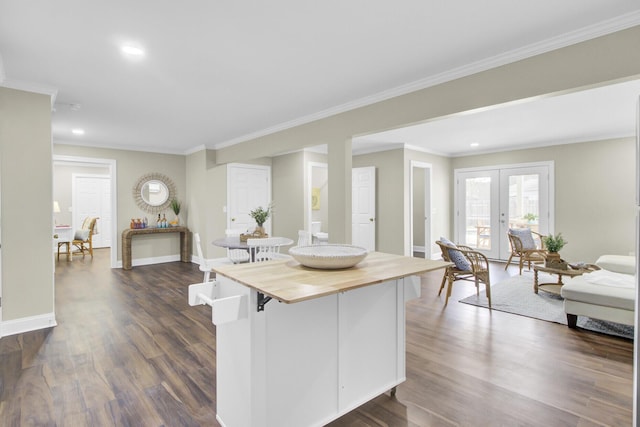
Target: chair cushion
[(525, 236), (458, 258), (81, 235)]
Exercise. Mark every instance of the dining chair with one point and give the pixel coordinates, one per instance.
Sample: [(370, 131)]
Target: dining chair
[(236, 256), (266, 249), (304, 238), (83, 238), (204, 266), (467, 264)]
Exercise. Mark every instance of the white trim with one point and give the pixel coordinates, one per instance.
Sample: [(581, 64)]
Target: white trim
[(418, 249), (590, 32), (152, 260), (112, 165), (27, 324)]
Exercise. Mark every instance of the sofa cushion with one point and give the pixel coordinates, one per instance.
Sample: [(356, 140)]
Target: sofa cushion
[(610, 278), (458, 258), (579, 289), (618, 263)]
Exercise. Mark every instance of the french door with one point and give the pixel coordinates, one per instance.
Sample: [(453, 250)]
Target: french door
[(489, 201)]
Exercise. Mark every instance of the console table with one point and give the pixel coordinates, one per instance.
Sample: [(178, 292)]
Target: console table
[(185, 242)]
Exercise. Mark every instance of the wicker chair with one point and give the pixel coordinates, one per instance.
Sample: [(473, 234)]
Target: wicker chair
[(478, 271), (524, 247), (83, 239)]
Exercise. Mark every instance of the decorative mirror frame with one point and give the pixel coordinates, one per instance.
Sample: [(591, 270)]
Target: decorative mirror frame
[(153, 176)]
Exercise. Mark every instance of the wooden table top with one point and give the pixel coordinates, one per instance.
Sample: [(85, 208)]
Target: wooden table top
[(289, 282)]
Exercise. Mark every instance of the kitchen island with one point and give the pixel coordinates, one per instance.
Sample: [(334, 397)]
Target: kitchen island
[(296, 346)]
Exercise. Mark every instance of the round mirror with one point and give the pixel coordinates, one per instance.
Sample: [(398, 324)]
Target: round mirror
[(154, 192)]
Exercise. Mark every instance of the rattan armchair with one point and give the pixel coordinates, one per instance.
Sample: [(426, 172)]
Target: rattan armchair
[(477, 272), (83, 240), (527, 252)]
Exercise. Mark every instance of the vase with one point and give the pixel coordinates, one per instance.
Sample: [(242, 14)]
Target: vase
[(259, 231)]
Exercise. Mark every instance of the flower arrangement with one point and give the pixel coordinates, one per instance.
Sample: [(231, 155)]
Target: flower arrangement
[(554, 243), (260, 215)]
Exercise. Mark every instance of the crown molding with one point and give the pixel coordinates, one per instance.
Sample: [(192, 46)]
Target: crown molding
[(117, 147), (603, 28), (195, 149)]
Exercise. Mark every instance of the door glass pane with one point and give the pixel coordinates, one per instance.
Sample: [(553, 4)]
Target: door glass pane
[(524, 201), (478, 212)]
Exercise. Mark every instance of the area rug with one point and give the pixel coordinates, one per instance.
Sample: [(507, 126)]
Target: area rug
[(515, 295)]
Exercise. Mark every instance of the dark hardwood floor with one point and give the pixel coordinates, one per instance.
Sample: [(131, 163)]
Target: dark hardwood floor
[(129, 351)]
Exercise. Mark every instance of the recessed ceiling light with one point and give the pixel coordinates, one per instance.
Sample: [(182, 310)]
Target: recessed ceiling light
[(475, 144), (132, 50), (77, 131)]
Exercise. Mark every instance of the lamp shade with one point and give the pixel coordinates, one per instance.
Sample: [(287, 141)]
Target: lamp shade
[(56, 207)]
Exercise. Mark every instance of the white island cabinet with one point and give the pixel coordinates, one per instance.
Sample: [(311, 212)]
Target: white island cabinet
[(300, 347)]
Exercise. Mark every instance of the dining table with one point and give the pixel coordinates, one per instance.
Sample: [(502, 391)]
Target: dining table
[(234, 242)]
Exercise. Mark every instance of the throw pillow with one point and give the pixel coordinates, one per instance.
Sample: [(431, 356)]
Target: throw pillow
[(458, 258), (525, 237), (81, 235)]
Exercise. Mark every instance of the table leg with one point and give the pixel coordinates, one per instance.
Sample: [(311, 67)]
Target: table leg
[(535, 281)]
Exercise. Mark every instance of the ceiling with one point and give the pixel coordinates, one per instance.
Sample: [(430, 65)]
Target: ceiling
[(217, 73)]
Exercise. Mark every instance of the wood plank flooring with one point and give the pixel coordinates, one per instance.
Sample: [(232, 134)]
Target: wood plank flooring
[(129, 351)]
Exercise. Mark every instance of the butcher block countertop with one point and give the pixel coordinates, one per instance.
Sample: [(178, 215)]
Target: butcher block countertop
[(289, 282)]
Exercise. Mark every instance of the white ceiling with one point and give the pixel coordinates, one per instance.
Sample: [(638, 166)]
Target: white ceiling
[(216, 73)]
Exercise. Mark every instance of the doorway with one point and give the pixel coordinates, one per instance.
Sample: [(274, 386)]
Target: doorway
[(318, 202), (64, 167), (421, 209), (489, 201)]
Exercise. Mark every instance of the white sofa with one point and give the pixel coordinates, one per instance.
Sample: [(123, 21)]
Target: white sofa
[(607, 294)]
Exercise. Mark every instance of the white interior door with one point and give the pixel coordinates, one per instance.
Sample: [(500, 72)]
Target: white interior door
[(248, 186), (490, 201), (91, 197), (363, 207)]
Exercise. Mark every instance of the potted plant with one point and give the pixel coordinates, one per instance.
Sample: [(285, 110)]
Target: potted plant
[(260, 216), (175, 207), (553, 245)]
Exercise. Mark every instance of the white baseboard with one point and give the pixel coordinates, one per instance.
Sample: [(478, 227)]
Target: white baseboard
[(418, 249), (152, 260), (27, 324)]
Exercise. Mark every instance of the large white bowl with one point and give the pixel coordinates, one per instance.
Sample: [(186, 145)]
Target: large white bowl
[(328, 257)]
